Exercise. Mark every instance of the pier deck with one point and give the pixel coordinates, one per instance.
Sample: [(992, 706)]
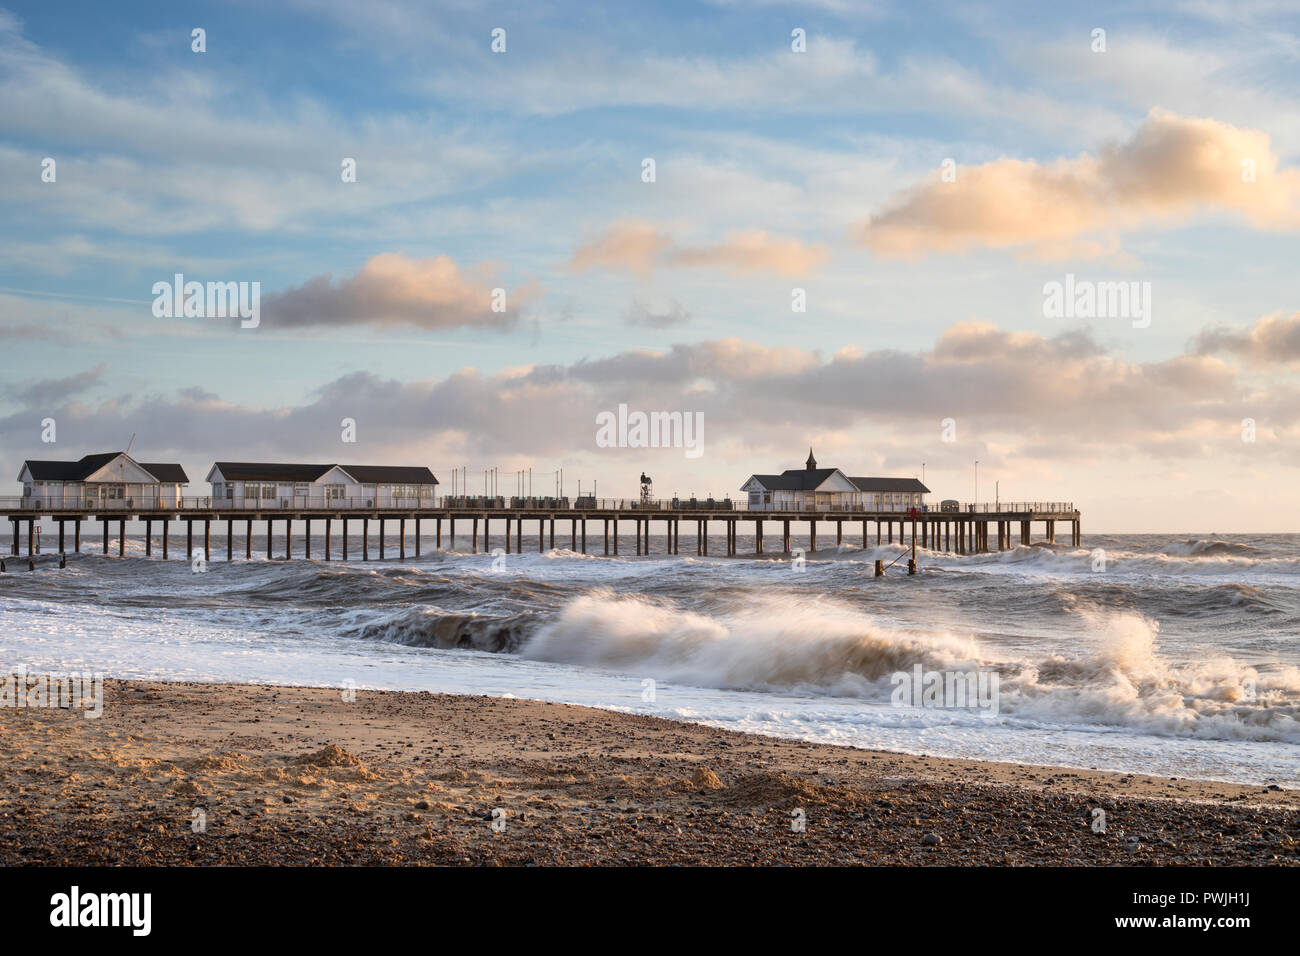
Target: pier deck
[(963, 531)]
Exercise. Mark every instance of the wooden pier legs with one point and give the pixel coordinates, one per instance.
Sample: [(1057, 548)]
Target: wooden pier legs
[(288, 539), (607, 536), (248, 539), (584, 534), (189, 539), (758, 535), (306, 539), (328, 523), (401, 537), (164, 539), (365, 539), (812, 536), (417, 537), (230, 540), (148, 537), (207, 539), (637, 523), (270, 536), (381, 537), (615, 537), (437, 534), (473, 536), (785, 534)]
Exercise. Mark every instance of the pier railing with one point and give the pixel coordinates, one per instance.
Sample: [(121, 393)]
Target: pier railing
[(512, 503)]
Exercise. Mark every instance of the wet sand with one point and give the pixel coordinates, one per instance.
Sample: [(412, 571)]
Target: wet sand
[(204, 774)]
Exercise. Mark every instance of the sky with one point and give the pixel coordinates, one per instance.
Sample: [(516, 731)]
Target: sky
[(828, 224)]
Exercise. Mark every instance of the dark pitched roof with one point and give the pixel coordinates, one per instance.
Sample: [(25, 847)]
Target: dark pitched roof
[(273, 471), (890, 484), (166, 473), (89, 464), (800, 479), (56, 470), (383, 474)]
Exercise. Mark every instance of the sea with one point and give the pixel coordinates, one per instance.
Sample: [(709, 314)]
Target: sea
[(1173, 655)]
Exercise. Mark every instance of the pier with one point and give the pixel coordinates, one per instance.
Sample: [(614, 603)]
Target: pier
[(487, 522)]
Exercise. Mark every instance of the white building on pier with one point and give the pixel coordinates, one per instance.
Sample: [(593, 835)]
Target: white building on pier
[(242, 484), (110, 480), (829, 489)]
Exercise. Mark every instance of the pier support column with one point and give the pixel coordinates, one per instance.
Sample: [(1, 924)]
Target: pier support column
[(812, 536), (1078, 533), (785, 535), (328, 523), (248, 540), (270, 538), (758, 535), (76, 536), (584, 534), (417, 537), (1051, 531), (365, 538), (615, 537), (164, 539), (553, 532), (1024, 532), (541, 537), (839, 534), (401, 537), (148, 537), (288, 539), (507, 535), (637, 523), (705, 538), (306, 540), (230, 540), (103, 522), (381, 537), (607, 536), (451, 533), (13, 540), (189, 539), (121, 538), (345, 539), (60, 536), (877, 532)]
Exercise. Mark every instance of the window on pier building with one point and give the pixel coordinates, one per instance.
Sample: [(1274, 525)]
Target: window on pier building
[(301, 490), (335, 492)]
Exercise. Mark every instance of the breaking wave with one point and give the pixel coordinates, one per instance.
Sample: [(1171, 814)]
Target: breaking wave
[(1118, 678)]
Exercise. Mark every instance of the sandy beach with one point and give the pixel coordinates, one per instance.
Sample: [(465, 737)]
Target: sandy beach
[(203, 774)]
